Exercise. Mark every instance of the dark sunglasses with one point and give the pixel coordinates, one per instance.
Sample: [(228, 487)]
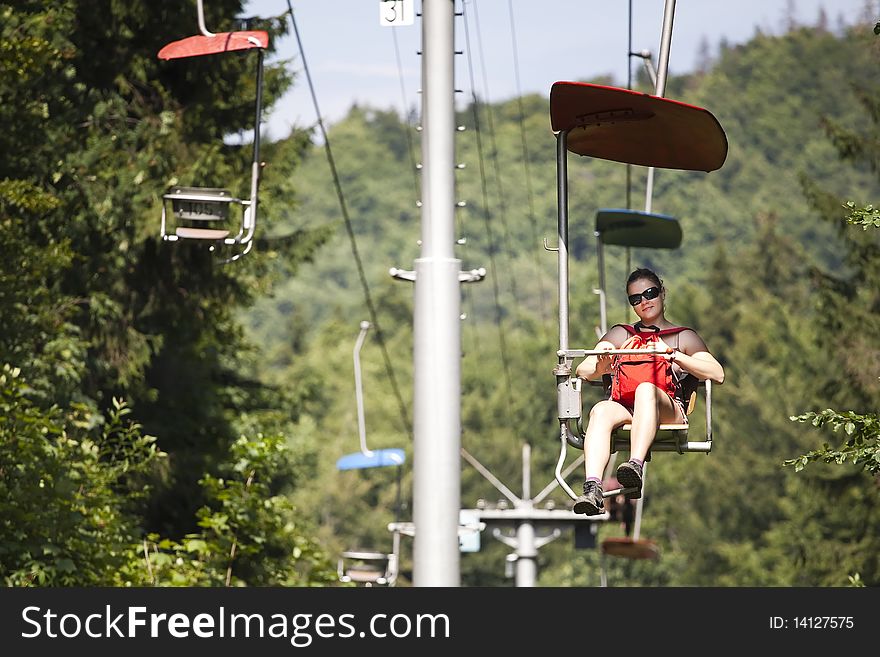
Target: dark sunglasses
[(650, 293)]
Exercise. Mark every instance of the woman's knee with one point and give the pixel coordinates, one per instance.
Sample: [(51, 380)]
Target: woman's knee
[(605, 412), (647, 393)]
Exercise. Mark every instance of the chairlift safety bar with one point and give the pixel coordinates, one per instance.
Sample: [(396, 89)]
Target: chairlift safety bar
[(583, 353)]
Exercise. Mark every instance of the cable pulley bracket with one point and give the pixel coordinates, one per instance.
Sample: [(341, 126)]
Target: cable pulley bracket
[(402, 274), (471, 276)]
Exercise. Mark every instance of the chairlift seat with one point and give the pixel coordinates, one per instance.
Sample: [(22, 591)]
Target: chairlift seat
[(201, 233), (620, 227), (673, 437)]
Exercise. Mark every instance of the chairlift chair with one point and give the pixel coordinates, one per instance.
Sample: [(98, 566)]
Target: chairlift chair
[(368, 568), (626, 126), (204, 213), (363, 566)]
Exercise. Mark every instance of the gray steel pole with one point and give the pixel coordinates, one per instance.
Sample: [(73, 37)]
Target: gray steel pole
[(665, 46), (562, 229), (527, 554), (526, 550), (437, 329), (660, 83)]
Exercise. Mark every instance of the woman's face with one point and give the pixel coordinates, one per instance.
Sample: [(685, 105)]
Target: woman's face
[(646, 298)]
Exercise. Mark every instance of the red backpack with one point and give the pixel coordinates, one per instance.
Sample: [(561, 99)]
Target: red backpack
[(629, 370)]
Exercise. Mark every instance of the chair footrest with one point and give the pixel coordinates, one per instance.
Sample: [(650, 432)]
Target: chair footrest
[(201, 233)]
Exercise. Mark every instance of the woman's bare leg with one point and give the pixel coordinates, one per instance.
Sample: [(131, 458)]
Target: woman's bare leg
[(652, 407), (605, 416)]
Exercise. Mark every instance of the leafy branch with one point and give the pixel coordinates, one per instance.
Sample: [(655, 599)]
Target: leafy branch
[(861, 444), (864, 217)]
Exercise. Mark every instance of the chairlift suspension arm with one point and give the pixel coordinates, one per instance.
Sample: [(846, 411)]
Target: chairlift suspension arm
[(250, 217), (358, 389), (660, 84), (201, 13)]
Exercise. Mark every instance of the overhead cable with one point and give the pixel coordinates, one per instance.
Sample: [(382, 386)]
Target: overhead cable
[(489, 233), (350, 230)]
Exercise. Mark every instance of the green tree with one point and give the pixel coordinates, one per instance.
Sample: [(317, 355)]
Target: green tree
[(851, 299), (250, 534), (71, 489), (96, 309)]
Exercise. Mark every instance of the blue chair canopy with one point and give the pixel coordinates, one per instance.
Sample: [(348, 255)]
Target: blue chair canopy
[(379, 458)]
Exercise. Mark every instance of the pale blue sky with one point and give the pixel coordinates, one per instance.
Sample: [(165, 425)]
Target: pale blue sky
[(351, 56)]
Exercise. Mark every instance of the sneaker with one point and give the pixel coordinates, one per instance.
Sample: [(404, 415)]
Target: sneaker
[(629, 474), (590, 503)]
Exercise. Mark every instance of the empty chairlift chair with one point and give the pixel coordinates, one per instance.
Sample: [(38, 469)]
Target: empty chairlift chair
[(205, 213), (369, 567)]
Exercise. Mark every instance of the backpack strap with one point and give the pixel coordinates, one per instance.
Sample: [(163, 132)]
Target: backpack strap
[(638, 327), (673, 330), (629, 328)]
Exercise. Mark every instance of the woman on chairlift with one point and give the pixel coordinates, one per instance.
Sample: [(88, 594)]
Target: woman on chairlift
[(645, 391)]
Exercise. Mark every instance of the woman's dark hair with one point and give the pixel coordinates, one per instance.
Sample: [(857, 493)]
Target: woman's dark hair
[(642, 272)]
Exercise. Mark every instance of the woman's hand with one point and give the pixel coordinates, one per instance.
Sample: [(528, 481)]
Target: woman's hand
[(668, 352), (604, 361), (596, 365)]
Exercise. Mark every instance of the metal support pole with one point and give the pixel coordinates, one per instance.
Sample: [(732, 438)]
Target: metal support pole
[(562, 228), (201, 13), (600, 259), (659, 90), (250, 218), (437, 329), (637, 525), (526, 555), (358, 388), (526, 551), (665, 46), (660, 85)]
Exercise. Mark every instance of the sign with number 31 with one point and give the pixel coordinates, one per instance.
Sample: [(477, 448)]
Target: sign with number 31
[(396, 12)]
